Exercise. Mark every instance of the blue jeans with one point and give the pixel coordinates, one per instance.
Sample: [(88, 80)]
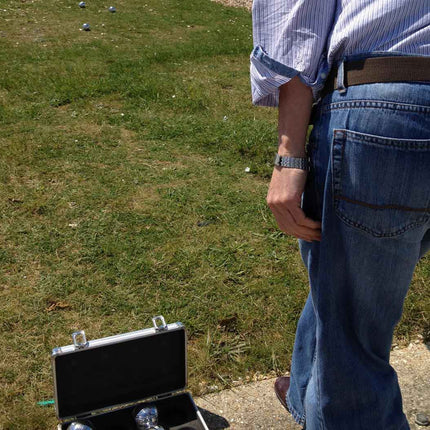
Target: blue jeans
[(370, 186)]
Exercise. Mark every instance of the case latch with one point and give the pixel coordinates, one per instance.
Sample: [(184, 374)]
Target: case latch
[(159, 327), (80, 340)]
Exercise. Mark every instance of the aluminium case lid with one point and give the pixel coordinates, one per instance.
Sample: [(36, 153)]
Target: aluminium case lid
[(117, 370)]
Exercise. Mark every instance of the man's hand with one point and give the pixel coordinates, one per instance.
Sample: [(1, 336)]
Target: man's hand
[(284, 198)]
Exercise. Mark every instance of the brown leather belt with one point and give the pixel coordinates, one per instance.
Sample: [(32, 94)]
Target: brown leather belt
[(380, 69)]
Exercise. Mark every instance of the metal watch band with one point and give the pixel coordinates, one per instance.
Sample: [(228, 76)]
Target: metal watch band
[(291, 162)]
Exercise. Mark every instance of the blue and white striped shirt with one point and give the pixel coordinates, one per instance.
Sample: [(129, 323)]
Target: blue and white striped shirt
[(307, 37)]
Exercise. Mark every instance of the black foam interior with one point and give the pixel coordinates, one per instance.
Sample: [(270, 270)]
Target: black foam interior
[(123, 372), (172, 411)]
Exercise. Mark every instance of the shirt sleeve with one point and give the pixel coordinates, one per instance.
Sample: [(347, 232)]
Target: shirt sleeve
[(290, 38)]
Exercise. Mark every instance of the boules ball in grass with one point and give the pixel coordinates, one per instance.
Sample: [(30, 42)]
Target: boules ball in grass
[(82, 4), (112, 9), (86, 27), (78, 426)]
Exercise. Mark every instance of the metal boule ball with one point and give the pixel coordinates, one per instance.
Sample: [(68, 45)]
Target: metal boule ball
[(78, 426), (147, 418), (422, 419), (86, 26), (82, 4), (112, 9), (151, 427)]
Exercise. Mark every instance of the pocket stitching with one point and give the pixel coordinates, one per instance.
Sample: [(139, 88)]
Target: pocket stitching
[(374, 233), (372, 104), (339, 138), (372, 206)]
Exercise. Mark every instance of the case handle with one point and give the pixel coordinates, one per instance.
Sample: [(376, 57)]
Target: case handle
[(159, 327), (79, 339)]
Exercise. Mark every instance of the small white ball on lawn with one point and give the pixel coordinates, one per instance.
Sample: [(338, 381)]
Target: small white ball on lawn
[(82, 4), (86, 27), (112, 9)]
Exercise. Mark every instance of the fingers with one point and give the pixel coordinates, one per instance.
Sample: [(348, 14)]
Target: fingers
[(288, 224), (301, 219), (283, 197)]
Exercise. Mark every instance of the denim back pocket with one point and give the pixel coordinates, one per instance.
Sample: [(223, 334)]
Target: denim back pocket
[(381, 185)]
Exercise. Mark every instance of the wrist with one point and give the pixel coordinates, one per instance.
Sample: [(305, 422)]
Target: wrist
[(296, 153), (286, 148)]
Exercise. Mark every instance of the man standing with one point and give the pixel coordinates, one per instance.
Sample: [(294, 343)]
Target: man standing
[(358, 198)]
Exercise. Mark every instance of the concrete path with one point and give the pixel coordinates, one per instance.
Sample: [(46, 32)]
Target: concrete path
[(255, 406)]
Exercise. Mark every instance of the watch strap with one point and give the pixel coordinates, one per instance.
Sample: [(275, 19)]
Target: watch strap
[(291, 162)]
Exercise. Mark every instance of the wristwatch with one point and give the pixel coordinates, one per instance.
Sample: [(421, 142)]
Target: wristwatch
[(291, 162)]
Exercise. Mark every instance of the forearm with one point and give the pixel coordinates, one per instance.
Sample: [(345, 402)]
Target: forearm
[(295, 104), (287, 185)]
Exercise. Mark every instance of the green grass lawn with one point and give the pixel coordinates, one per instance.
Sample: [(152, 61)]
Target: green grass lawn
[(124, 194)]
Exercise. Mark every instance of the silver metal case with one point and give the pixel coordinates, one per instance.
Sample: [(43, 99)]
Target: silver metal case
[(104, 381)]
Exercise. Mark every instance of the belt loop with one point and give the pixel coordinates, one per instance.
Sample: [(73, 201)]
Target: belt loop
[(340, 80)]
